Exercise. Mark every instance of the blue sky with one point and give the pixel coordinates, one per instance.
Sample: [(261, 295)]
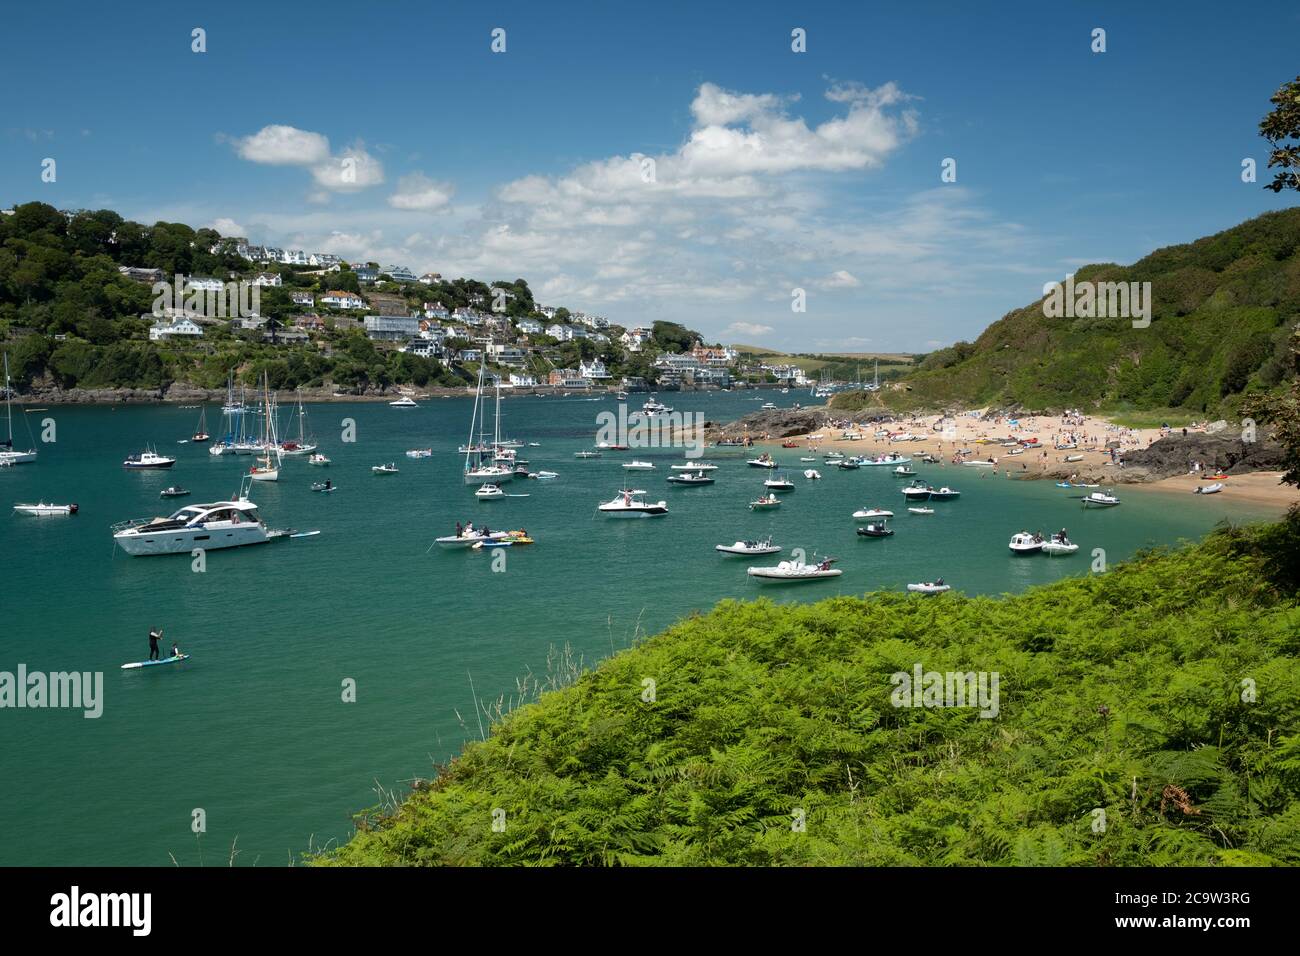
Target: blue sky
[(773, 170)]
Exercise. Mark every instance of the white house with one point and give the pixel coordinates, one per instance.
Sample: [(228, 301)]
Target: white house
[(295, 257), (204, 284), (267, 279), (435, 310), (519, 380), (391, 328), (343, 300), (634, 339), (400, 274), (162, 330), (431, 278), (595, 369), (529, 326), (424, 348), (302, 297), (563, 333)]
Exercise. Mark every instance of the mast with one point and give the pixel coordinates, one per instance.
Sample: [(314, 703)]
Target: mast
[(9, 411), (469, 442)]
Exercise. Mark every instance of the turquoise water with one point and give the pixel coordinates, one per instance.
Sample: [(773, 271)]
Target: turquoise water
[(253, 730)]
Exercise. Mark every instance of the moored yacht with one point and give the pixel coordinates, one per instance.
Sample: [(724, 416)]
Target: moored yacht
[(1100, 499), (627, 505), (148, 459), (218, 524)]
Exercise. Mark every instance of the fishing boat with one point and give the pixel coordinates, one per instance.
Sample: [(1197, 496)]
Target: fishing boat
[(469, 536), (766, 502), (148, 459), (388, 469), (930, 587), (870, 514), (489, 492), (812, 474), (920, 511), (1059, 544), (627, 505), (876, 529), (1099, 499), (404, 402), (44, 510), (779, 483), (690, 478), (210, 526), (795, 571), (749, 548), (173, 492), (1022, 542), (201, 433), (762, 461), (918, 490), (944, 494), (697, 466), (1213, 489), (586, 454), (317, 459), (266, 469), (639, 465)]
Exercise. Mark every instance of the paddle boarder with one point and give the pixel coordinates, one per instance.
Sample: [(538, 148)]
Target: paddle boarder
[(154, 636), (176, 651)]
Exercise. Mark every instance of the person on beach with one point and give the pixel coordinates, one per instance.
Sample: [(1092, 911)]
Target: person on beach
[(155, 636)]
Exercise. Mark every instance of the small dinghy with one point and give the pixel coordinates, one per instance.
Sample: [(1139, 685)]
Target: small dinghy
[(920, 511), (1213, 489), (848, 464), (812, 474), (1059, 544), (807, 458), (751, 548), (324, 486), (876, 529), (317, 459), (930, 587), (762, 461), (419, 453), (173, 492), (388, 469), (795, 571), (468, 536), (765, 503), (1100, 499), (902, 471), (44, 510), (868, 514)]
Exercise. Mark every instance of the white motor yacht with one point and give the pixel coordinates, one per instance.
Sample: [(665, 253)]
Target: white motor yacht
[(404, 402), (44, 510), (148, 459), (489, 493), (870, 514), (779, 484), (218, 524), (627, 505)]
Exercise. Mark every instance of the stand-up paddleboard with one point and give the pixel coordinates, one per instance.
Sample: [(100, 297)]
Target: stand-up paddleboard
[(165, 660)]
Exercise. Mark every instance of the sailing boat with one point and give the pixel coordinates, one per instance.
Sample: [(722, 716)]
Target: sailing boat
[(201, 434), (232, 407), (7, 454), (266, 471), (302, 446), (875, 381), (478, 472)]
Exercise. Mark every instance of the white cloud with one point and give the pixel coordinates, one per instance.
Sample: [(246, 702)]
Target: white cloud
[(747, 328), (840, 280), (283, 146), (227, 227), (418, 192)]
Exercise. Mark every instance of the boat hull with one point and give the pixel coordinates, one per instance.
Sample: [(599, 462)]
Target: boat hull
[(185, 540)]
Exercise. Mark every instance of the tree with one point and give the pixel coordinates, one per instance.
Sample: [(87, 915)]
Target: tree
[(1283, 413), (1283, 124)]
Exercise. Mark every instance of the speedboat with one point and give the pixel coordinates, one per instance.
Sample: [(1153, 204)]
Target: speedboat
[(388, 469), (702, 466), (918, 490), (833, 456), (404, 402), (920, 511), (876, 529), (1213, 489), (990, 463), (808, 458), (691, 478), (489, 492), (586, 454), (173, 492), (893, 458), (546, 475), (762, 461), (627, 505), (1059, 544), (868, 514), (795, 571), (318, 459), (419, 453), (765, 502), (930, 587), (902, 471), (1022, 542), (1100, 499), (148, 459), (43, 509), (849, 464), (751, 548), (217, 524), (639, 465), (469, 536), (779, 484), (944, 494), (812, 474)]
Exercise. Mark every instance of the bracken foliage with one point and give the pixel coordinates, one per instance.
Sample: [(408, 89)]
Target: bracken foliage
[(1164, 692)]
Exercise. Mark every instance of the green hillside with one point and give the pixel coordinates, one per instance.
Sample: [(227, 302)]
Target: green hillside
[(1120, 692), (1223, 310)]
